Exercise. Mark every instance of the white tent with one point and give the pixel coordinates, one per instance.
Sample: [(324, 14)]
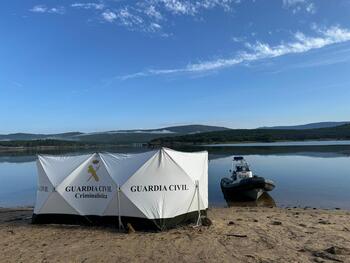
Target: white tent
[(157, 185)]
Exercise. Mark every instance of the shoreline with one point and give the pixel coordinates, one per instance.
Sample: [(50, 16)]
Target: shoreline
[(21, 149), (14, 149), (251, 143), (238, 234), (10, 149), (340, 142)]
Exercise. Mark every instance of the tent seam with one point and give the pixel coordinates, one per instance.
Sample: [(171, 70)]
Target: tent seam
[(65, 179), (180, 167), (66, 176), (119, 186)]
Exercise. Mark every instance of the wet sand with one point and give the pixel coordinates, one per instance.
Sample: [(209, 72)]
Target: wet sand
[(250, 234)]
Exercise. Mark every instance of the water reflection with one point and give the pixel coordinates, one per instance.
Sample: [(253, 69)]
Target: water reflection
[(311, 151), (265, 200), (31, 156), (314, 176)]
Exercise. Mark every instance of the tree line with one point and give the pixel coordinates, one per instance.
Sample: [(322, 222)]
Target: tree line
[(258, 135)]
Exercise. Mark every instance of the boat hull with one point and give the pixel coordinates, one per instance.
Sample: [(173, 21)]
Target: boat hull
[(246, 189), (265, 200)]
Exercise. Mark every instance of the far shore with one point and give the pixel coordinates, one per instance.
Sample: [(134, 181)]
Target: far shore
[(14, 149), (237, 234), (37, 148), (55, 148), (281, 143)]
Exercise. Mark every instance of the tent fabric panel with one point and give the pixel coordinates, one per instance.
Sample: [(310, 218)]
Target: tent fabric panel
[(127, 208), (196, 166), (203, 183), (57, 168), (89, 188), (43, 181), (154, 188), (122, 166), (112, 206), (193, 205), (55, 204), (176, 172), (44, 188), (41, 199), (189, 162)]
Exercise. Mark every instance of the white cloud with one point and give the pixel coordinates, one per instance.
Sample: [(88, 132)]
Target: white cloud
[(97, 6), (300, 5), (179, 7), (109, 16), (152, 12), (127, 18), (154, 27), (149, 15), (38, 9), (192, 7), (141, 15), (311, 8), (238, 39), (293, 2), (259, 51), (44, 9), (131, 19), (57, 10)]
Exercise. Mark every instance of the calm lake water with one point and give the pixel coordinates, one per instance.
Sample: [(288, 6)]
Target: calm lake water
[(299, 143), (314, 176)]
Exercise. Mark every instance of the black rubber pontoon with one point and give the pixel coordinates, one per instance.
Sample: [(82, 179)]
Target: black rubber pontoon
[(248, 188)]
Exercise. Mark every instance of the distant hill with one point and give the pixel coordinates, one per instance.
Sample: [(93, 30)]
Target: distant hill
[(115, 137), (32, 136), (258, 135), (176, 129), (144, 136), (316, 125)]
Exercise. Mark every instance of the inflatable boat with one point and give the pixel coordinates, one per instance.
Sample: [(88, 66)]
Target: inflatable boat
[(265, 200), (243, 185)]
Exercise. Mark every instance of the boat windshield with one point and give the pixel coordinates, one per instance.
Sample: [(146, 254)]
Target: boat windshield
[(240, 168)]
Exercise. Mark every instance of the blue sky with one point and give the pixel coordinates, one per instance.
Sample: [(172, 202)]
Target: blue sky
[(106, 65)]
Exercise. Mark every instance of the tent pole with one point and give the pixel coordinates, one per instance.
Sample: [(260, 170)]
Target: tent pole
[(120, 224), (199, 221)]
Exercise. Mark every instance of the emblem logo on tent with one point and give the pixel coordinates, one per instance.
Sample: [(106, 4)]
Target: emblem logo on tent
[(92, 170)]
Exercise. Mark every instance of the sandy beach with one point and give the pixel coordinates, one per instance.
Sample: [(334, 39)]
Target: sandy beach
[(236, 235)]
